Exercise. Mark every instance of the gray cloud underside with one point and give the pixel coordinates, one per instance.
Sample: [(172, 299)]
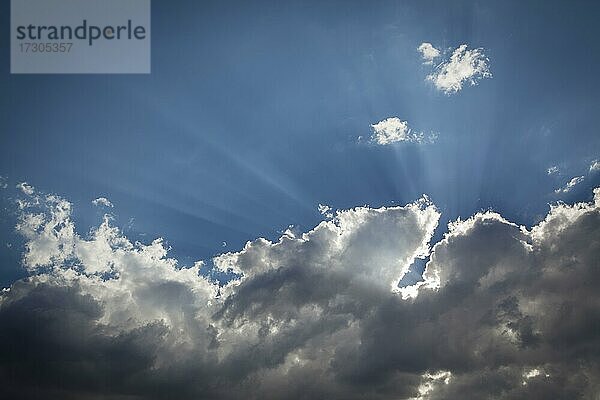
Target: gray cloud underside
[(504, 312)]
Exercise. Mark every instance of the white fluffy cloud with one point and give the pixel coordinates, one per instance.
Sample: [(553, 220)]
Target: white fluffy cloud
[(570, 185), (464, 66), (595, 166), (428, 53), (394, 130), (102, 201), (312, 315)]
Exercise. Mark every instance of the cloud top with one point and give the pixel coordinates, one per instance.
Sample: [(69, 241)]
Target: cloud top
[(503, 312)]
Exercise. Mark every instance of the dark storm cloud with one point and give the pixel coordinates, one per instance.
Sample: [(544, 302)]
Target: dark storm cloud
[(504, 312)]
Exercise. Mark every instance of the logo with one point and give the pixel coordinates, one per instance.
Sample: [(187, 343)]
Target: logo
[(80, 36)]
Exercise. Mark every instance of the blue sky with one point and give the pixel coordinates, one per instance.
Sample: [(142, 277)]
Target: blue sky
[(259, 120), (251, 115)]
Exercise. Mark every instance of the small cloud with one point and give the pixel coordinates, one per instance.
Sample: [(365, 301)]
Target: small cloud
[(428, 53), (26, 188), (102, 202), (464, 66), (552, 170), (595, 166), (3, 184), (325, 210), (393, 130), (570, 185)]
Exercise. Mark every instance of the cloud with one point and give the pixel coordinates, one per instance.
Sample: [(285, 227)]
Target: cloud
[(595, 166), (313, 315), (464, 66), (102, 201), (394, 130), (552, 170), (570, 185), (26, 188), (325, 210), (428, 53)]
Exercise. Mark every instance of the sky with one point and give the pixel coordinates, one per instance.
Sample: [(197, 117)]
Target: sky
[(285, 148)]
